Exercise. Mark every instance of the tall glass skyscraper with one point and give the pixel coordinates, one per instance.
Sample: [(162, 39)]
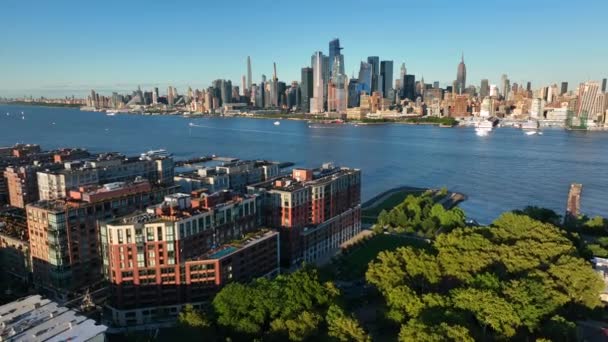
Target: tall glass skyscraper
[(375, 63), (484, 89), (306, 88), (353, 93), (319, 93), (334, 50), (365, 77), (248, 73), (226, 91), (386, 71), (409, 87)]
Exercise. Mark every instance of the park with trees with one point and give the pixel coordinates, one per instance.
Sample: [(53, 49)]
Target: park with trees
[(526, 276)]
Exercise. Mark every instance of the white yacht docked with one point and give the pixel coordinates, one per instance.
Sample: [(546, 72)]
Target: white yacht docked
[(482, 128), (531, 127)]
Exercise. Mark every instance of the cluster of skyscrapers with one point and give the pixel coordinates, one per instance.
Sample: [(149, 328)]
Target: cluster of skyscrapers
[(325, 89)]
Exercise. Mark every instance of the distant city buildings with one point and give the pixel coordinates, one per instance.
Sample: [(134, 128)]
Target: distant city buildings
[(591, 101), (461, 77), (318, 66), (324, 89), (386, 74)]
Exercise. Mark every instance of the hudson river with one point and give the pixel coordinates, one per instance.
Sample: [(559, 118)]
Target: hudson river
[(502, 171)]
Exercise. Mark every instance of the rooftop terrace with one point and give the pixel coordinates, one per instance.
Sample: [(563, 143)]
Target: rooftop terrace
[(236, 245), (317, 176)]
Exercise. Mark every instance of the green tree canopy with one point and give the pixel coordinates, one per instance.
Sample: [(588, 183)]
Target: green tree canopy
[(420, 214), (343, 327), (540, 214), (510, 280), (292, 306)]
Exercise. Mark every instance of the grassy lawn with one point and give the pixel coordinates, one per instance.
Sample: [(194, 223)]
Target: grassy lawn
[(370, 215), (354, 264)]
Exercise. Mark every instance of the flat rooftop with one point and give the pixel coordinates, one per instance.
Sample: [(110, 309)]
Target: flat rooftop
[(222, 252), (320, 175), (14, 225), (149, 217), (237, 245), (34, 318), (62, 203)]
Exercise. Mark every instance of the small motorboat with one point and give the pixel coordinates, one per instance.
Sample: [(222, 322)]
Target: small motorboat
[(276, 123)]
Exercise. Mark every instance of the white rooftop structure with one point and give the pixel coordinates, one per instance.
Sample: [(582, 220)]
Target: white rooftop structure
[(34, 318)]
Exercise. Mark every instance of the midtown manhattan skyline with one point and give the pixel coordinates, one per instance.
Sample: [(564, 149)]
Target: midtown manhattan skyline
[(66, 49)]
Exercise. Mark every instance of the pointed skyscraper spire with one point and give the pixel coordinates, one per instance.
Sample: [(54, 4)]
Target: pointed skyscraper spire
[(248, 73), (462, 57)]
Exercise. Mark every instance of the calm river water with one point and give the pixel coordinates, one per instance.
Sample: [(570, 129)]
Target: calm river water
[(502, 171)]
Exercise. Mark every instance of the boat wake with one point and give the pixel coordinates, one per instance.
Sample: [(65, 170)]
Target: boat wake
[(315, 126), (242, 130)]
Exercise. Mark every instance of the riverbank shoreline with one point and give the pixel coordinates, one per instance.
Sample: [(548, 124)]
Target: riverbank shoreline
[(295, 117), (388, 199)]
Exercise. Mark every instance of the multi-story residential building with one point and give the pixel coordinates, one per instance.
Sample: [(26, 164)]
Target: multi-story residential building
[(14, 246), (19, 155), (55, 184), (208, 178), (244, 172), (590, 100), (460, 108), (23, 150), (235, 174), (183, 251), (64, 234), (3, 190), (155, 166), (315, 211), (67, 154), (22, 185)]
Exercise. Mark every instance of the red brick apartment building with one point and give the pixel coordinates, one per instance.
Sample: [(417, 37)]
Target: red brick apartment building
[(64, 233), (22, 185), (183, 251), (315, 210)]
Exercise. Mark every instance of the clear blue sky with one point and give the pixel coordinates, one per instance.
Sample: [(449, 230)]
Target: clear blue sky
[(66, 47)]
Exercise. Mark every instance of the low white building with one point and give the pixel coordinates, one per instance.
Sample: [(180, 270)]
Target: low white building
[(601, 267), (34, 318)]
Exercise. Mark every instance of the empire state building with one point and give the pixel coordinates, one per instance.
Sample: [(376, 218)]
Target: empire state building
[(461, 77)]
